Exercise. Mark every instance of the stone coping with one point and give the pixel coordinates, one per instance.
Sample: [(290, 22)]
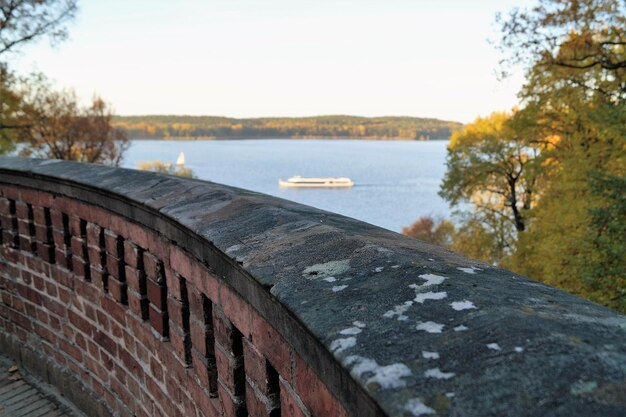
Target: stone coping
[(420, 330)]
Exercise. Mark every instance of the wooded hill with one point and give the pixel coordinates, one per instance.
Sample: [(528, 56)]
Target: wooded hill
[(211, 127)]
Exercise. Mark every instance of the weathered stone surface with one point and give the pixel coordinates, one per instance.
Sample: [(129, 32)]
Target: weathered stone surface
[(420, 329)]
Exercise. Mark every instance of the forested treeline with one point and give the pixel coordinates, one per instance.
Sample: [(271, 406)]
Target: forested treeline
[(210, 127)]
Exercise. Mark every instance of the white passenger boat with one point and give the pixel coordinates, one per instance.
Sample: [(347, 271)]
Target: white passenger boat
[(299, 181)]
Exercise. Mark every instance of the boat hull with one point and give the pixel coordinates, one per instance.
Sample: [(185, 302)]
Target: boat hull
[(287, 184)]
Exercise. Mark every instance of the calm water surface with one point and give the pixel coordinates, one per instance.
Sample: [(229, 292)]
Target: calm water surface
[(396, 182)]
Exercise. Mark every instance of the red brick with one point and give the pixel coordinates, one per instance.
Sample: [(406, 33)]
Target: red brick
[(105, 342), (133, 387), (203, 399), (24, 227), (178, 340), (38, 283), (132, 254), (93, 235), (159, 320), (257, 404), (134, 278), (74, 226), (135, 233), (180, 261), (205, 371), (137, 304), (63, 277), (36, 264), (51, 289), (156, 245), (36, 197), (77, 246), (46, 252), (115, 267), (39, 216), (290, 404), (99, 277), (230, 371), (116, 330), (21, 210), (80, 341), (257, 368), (111, 243), (80, 267), (99, 216), (175, 312), (58, 237), (57, 219), (87, 290), (225, 333), (118, 290), (129, 362), (10, 192), (90, 311), (55, 323), (172, 281), (114, 309), (199, 338), (56, 308), (79, 322), (43, 233), (95, 256), (119, 225), (232, 406), (314, 394), (156, 369), (236, 309), (157, 294), (5, 206), (9, 237), (6, 221), (71, 350), (46, 334), (271, 345), (204, 281), (27, 243), (121, 392), (62, 257), (153, 268), (11, 255)]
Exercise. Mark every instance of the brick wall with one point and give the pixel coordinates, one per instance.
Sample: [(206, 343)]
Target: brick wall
[(144, 326)]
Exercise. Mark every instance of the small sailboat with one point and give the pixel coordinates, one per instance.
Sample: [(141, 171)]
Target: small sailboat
[(181, 159)]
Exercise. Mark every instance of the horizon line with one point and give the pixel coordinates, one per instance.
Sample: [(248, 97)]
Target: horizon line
[(287, 117)]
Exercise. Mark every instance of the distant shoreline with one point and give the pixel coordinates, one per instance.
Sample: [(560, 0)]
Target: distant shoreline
[(211, 138), (344, 127)]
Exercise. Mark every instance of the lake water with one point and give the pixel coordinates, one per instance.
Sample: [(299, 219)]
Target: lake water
[(396, 182)]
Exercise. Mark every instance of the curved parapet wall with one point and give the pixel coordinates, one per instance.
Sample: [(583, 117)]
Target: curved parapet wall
[(143, 294)]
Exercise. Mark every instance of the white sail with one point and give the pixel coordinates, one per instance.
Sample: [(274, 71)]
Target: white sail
[(181, 159)]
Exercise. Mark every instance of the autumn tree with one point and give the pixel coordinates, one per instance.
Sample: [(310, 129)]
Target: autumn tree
[(491, 164), (23, 21), (166, 168), (563, 43), (574, 55), (11, 111), (440, 231), (56, 126)]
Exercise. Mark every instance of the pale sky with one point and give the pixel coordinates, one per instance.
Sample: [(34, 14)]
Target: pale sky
[(246, 58)]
